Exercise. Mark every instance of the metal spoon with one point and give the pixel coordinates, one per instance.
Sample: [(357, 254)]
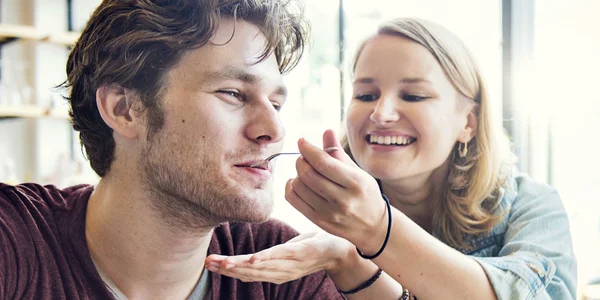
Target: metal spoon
[(265, 163)]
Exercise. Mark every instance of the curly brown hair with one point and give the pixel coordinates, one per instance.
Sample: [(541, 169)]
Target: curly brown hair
[(134, 43)]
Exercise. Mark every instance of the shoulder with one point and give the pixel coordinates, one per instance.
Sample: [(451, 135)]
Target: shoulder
[(242, 238), (28, 210), (41, 196), (528, 196), (527, 188)]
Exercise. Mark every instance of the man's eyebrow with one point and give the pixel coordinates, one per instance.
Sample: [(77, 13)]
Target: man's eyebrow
[(232, 73), (364, 80), (282, 91)]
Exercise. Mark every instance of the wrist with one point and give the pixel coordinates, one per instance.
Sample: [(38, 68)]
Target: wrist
[(363, 285), (352, 270), (347, 259), (370, 253)]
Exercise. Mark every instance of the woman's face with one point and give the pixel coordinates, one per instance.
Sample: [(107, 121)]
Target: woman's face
[(405, 116)]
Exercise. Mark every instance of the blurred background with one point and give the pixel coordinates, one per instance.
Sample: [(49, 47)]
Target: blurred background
[(540, 60)]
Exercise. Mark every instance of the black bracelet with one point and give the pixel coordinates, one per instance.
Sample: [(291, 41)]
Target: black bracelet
[(387, 235), (363, 286)]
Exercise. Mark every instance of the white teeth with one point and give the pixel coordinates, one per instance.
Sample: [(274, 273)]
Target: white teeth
[(390, 140)]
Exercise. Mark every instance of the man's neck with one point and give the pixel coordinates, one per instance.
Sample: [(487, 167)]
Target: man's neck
[(145, 257)]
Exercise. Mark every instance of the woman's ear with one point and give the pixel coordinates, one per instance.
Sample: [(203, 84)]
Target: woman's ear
[(116, 107), (470, 129)]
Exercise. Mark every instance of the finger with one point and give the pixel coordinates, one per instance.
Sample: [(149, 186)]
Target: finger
[(338, 171), (214, 259), (228, 262), (313, 198), (289, 246), (298, 203), (315, 186), (289, 250), (283, 273), (330, 139), (283, 251)]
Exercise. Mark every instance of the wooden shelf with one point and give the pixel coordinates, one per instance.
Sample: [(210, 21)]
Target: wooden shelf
[(9, 32), (64, 38), (33, 111)]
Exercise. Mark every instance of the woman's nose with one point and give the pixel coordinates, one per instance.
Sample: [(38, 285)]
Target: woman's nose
[(385, 111)]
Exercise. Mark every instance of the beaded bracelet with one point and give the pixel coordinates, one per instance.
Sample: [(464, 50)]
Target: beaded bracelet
[(387, 235), (406, 295), (364, 285)]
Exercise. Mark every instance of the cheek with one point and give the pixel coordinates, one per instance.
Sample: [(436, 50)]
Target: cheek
[(357, 116)]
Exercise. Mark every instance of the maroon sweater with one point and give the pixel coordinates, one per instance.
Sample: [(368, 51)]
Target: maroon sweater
[(44, 254)]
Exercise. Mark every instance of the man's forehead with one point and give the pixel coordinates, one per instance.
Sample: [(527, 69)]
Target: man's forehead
[(246, 75)]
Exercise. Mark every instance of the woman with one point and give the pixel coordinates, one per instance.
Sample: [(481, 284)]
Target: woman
[(464, 223)]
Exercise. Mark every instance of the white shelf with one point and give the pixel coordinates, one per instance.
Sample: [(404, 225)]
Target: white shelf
[(14, 31), (33, 111)]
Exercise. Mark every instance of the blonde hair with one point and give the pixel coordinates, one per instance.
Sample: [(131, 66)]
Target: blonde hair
[(473, 186)]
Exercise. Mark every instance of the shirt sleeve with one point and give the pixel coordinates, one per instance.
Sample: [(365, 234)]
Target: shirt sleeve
[(15, 250), (537, 259)]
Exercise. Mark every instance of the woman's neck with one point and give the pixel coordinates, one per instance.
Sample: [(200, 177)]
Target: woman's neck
[(418, 196)]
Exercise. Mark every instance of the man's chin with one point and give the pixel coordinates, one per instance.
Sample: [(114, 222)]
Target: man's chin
[(253, 207), (249, 216)]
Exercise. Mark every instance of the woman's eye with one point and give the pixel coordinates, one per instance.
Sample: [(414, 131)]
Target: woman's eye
[(413, 98), (366, 97)]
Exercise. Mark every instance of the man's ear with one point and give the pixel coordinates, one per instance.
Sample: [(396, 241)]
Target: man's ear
[(116, 107), (470, 129)]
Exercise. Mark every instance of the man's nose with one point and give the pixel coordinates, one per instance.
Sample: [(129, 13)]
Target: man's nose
[(265, 126)]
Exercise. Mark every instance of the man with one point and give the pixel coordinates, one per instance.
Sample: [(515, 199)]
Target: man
[(174, 100)]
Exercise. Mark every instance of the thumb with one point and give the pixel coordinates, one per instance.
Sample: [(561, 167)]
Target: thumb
[(330, 139)]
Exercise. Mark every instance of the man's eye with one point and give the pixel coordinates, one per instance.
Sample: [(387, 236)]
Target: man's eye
[(231, 93), (366, 97), (276, 105), (413, 98)]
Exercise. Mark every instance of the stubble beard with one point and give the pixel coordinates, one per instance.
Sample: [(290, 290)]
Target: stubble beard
[(194, 199)]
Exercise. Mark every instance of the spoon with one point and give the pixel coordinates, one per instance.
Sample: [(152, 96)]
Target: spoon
[(265, 163)]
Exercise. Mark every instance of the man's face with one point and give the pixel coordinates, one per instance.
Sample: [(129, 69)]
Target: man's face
[(220, 116)]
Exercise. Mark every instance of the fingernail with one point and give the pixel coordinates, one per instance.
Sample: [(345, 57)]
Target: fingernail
[(214, 264), (229, 266), (255, 261)]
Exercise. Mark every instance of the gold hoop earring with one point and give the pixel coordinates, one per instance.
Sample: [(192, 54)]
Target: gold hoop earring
[(463, 152)]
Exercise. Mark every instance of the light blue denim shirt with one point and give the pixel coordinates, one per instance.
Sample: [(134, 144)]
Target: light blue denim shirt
[(529, 255)]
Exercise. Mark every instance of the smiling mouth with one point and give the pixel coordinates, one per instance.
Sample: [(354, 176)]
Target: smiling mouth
[(389, 140)]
